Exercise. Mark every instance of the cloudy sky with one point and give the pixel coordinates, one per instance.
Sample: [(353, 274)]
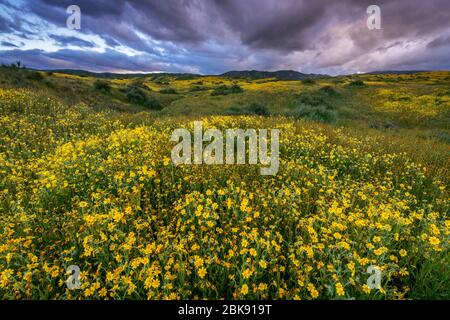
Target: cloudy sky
[(214, 36)]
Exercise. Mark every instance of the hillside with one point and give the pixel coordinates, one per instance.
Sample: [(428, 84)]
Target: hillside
[(280, 75), (416, 102)]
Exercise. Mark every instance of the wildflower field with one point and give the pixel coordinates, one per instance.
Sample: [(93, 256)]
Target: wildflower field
[(95, 187)]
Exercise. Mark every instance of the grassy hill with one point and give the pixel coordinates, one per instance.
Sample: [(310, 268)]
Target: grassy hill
[(280, 75), (396, 102)]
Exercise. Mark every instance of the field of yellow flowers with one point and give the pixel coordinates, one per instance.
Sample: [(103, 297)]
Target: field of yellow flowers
[(98, 190)]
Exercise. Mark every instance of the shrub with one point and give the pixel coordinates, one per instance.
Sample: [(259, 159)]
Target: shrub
[(258, 109), (329, 91), (234, 111), (222, 90), (316, 106), (356, 83), (225, 90), (196, 88), (252, 109), (168, 91), (137, 96), (102, 86), (161, 81), (49, 83), (441, 135), (308, 81), (153, 104), (139, 83), (15, 65), (18, 76), (313, 99), (315, 113), (35, 76), (236, 89)]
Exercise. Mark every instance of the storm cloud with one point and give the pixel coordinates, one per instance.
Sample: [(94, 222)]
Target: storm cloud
[(214, 36)]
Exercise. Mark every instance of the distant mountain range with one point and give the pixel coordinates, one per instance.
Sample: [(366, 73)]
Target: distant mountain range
[(281, 75), (111, 75), (397, 72), (244, 74), (83, 73)]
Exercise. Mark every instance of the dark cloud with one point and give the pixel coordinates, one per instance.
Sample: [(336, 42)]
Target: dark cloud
[(172, 20), (217, 35), (110, 41), (66, 41), (5, 26), (97, 8), (8, 44), (80, 59), (282, 26), (439, 42)]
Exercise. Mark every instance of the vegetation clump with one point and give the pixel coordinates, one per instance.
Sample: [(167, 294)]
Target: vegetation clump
[(308, 81), (225, 90), (161, 81), (319, 113), (329, 91), (138, 96), (356, 84), (102, 86), (315, 106), (168, 91), (252, 109)]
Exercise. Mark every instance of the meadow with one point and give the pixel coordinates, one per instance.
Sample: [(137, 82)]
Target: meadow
[(86, 179)]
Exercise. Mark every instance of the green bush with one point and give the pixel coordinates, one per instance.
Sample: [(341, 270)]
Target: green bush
[(139, 83), (258, 109), (236, 89), (161, 80), (137, 96), (441, 135), (329, 91), (308, 81), (315, 113), (313, 99), (196, 88), (225, 90), (234, 111), (153, 104), (357, 84), (102, 86), (168, 91), (252, 109), (35, 76)]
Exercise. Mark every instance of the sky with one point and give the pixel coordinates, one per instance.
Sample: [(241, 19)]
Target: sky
[(215, 36)]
